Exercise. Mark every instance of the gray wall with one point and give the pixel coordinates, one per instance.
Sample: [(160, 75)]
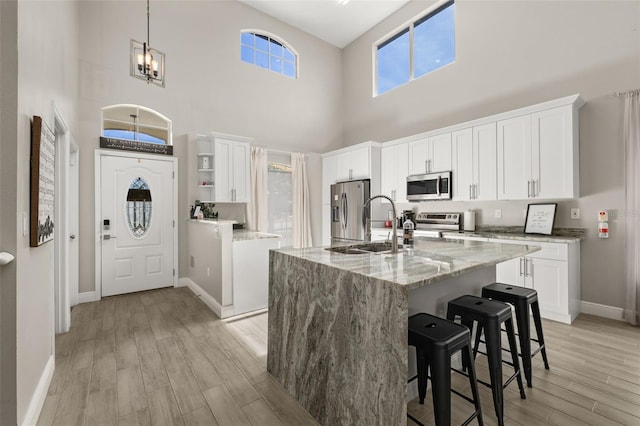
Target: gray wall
[(8, 208), (509, 55), (47, 72), (208, 87)]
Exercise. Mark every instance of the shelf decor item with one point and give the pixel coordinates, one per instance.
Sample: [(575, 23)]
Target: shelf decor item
[(540, 218), (43, 158)]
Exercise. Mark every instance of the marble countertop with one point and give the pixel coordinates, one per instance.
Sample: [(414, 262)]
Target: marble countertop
[(430, 261), (213, 221), (560, 235), (243, 234)]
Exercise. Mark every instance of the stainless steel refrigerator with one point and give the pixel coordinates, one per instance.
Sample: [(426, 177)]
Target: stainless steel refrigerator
[(349, 217)]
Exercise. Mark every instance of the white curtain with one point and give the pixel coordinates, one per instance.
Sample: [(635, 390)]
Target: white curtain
[(300, 209), (632, 216), (257, 208)]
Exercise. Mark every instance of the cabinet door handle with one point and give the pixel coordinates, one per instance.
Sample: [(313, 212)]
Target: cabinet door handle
[(528, 189), (533, 187), (470, 192), (475, 191), (521, 260), (529, 269)]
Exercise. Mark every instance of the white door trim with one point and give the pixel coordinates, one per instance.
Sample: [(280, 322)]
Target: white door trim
[(74, 219), (99, 153), (62, 309)]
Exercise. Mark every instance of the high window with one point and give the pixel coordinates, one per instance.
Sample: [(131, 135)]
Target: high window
[(423, 45), (136, 123), (267, 52)]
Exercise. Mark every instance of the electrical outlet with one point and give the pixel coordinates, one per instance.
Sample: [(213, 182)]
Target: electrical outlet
[(575, 213), (498, 213)]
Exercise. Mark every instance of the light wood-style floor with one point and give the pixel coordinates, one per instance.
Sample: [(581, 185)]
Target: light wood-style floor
[(163, 358)]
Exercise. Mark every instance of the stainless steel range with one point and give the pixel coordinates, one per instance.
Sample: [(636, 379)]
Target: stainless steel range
[(433, 224)]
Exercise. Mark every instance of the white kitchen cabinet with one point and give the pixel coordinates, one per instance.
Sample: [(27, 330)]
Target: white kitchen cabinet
[(394, 169), (474, 163), (221, 167), (554, 272), (514, 158), (353, 164), (430, 154), (538, 155), (231, 170)]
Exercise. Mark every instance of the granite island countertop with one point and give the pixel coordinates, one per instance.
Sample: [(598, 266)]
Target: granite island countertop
[(245, 234), (431, 260)]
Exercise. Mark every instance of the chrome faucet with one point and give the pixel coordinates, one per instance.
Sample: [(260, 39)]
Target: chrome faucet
[(394, 225)]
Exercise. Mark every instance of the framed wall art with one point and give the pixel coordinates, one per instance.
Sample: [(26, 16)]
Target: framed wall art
[(43, 160), (540, 218)]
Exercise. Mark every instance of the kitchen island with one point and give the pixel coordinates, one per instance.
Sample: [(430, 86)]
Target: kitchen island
[(228, 267), (338, 322)]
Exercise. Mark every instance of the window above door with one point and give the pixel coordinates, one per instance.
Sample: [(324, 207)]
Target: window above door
[(136, 123)]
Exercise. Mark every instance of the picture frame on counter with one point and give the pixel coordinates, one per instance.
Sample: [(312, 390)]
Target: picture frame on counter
[(540, 218)]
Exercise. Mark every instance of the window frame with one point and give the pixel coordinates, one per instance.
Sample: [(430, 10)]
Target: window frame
[(279, 40), (397, 32)]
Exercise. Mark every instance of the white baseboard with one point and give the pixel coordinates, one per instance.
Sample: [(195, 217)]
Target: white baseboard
[(88, 296), (40, 394), (604, 311), (217, 308)]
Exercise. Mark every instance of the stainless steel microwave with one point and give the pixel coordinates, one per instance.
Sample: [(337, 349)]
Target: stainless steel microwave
[(431, 186)]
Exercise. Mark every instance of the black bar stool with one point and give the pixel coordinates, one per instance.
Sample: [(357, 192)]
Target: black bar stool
[(490, 315), (436, 340), (521, 298)]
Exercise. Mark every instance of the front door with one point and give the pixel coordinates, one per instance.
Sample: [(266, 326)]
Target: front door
[(137, 235)]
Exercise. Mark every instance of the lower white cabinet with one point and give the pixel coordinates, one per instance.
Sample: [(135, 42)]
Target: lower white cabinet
[(554, 272)]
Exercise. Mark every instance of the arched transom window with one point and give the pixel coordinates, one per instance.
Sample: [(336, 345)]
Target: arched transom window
[(266, 51)]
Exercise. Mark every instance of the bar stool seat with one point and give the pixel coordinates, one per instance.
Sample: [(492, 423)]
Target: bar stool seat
[(490, 315), (521, 298), (436, 340)]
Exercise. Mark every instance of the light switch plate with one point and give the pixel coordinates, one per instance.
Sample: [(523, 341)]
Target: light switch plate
[(575, 213), (498, 213)]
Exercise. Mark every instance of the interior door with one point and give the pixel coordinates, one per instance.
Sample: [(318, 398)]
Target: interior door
[(137, 236)]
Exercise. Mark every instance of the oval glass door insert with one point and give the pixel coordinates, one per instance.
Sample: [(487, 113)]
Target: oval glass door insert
[(138, 207)]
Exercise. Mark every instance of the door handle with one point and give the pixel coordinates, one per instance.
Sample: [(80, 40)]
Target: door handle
[(530, 271), (528, 189), (438, 186), (72, 237), (533, 187), (475, 191), (108, 237), (470, 193), (6, 258)]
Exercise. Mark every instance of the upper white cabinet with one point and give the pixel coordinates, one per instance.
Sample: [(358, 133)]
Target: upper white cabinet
[(353, 164), (361, 161), (538, 155), (430, 154), (232, 170), (474, 163), (394, 169), (222, 167)]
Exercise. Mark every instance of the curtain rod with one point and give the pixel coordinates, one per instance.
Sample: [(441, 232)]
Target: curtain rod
[(626, 92), (278, 151)]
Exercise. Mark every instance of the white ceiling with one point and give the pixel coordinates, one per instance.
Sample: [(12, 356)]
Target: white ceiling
[(328, 19)]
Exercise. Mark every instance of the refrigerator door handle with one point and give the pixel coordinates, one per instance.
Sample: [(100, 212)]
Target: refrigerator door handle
[(345, 210)]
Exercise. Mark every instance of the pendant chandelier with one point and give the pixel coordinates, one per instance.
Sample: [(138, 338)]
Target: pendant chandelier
[(145, 62)]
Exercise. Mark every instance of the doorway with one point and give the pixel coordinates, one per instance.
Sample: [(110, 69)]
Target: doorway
[(136, 208), (65, 258)]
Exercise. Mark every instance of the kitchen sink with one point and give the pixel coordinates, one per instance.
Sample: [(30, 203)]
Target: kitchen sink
[(367, 248)]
